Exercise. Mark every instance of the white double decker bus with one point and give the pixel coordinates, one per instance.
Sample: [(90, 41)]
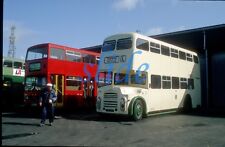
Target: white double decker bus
[(139, 75)]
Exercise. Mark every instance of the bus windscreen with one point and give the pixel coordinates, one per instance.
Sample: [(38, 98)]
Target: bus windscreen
[(37, 53)]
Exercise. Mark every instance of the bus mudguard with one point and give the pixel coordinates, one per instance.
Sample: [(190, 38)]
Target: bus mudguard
[(131, 105)]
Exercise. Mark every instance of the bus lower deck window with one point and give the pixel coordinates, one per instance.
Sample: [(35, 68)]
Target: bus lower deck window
[(156, 82)]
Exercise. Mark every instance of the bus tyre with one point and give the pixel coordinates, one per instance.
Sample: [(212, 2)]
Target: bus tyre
[(138, 110), (187, 108)]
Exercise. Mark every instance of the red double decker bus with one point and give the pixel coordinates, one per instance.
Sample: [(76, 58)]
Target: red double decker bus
[(71, 71)]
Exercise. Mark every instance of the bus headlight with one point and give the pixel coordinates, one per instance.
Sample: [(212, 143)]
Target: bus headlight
[(26, 97), (37, 88), (98, 103), (125, 96), (122, 104)]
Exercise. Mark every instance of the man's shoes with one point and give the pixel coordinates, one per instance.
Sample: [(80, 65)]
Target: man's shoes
[(42, 124), (50, 124)]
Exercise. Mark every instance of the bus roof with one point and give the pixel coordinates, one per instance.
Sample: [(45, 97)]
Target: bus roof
[(14, 59), (130, 34), (64, 48)]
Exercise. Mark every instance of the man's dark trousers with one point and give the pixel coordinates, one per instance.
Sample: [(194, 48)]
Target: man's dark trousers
[(47, 109)]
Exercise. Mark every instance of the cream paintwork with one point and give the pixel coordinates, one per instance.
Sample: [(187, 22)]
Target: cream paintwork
[(156, 99)]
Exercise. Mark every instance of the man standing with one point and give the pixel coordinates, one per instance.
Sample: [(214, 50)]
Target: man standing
[(91, 94), (47, 98), (85, 91)]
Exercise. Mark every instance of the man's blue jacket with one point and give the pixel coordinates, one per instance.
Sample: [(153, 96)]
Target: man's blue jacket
[(46, 95)]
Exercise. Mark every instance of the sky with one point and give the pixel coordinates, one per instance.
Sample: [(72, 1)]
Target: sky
[(85, 23)]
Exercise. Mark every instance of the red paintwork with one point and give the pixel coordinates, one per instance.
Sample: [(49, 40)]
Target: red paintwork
[(62, 67)]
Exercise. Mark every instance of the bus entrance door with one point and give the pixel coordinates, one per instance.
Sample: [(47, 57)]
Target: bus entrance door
[(91, 88), (88, 91), (58, 82)]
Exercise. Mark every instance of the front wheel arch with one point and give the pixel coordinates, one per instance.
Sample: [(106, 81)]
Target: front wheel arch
[(131, 106)]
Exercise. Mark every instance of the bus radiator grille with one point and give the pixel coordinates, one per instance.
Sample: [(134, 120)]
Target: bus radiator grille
[(110, 101)]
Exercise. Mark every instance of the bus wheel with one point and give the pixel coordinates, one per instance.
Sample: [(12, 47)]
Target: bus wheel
[(187, 108), (138, 110)]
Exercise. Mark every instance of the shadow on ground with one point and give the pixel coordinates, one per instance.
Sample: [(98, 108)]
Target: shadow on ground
[(92, 115), (78, 114), (18, 135), (19, 123)]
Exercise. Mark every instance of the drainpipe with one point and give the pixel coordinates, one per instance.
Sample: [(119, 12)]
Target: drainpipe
[(206, 69)]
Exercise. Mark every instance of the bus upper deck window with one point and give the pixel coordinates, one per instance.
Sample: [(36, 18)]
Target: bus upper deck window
[(109, 45), (18, 65), (36, 53), (155, 47), (7, 63), (125, 43), (165, 50), (195, 59), (98, 60), (182, 55), (56, 53), (142, 44)]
